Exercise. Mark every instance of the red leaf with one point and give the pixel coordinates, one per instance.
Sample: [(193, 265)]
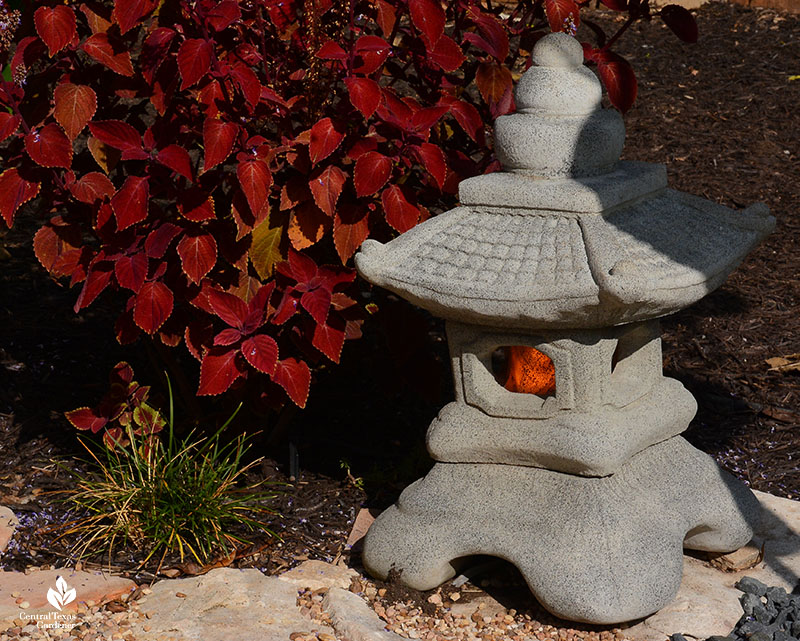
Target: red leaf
[(154, 51), (400, 213), (326, 187), (248, 82), (350, 229), (429, 18), (218, 370), (196, 205), (331, 51), (563, 15), (218, 139), (159, 239), (74, 107), (100, 48), (365, 94), (386, 17), (127, 13), (300, 267), (131, 271), (177, 159), (96, 281), (317, 302), (8, 124), (117, 134), (393, 109), (617, 76), (198, 255), (232, 309), (53, 242), (153, 306), (324, 140), (227, 337), (425, 118), (470, 120), (329, 340), (432, 158), (92, 187), (494, 40), (225, 13), (255, 179), (447, 54), (493, 81), (130, 203), (294, 377), (616, 5), (85, 418), (371, 173), (370, 52), (261, 351), (194, 60), (307, 225), (680, 22), (56, 26), (14, 191), (49, 147)]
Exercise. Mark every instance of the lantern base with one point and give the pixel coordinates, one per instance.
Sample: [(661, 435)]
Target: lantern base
[(598, 550)]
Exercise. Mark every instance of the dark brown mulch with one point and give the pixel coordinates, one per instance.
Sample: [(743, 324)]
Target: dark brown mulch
[(721, 114)]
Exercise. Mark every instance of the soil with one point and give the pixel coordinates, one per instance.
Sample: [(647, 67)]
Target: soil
[(722, 114)]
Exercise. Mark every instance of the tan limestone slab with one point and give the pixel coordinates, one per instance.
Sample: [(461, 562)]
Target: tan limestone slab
[(316, 575), (707, 603), (32, 589), (8, 524)]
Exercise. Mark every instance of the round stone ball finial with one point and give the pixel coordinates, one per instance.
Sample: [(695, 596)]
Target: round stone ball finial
[(558, 51)]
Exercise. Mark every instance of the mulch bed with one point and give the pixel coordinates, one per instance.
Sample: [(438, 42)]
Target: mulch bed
[(723, 116)]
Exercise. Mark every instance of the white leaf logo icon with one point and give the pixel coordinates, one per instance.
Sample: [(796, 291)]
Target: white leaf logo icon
[(63, 595)]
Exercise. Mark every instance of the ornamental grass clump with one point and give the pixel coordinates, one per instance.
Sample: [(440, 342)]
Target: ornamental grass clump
[(167, 495)]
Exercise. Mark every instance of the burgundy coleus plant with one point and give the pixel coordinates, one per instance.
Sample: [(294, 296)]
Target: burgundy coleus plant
[(214, 159)]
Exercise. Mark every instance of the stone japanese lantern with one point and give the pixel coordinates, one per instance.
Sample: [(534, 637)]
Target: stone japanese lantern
[(561, 452)]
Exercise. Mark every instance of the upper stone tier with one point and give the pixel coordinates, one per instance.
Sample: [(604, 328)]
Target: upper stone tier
[(567, 236)]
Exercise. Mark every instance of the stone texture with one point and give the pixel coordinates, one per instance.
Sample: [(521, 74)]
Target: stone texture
[(601, 550), (222, 605), (353, 619), (32, 588), (707, 603), (8, 524), (315, 575)]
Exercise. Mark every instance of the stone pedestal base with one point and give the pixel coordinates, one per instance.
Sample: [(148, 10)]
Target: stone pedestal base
[(598, 550)]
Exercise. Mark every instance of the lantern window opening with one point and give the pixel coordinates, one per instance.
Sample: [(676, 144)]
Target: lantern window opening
[(523, 369)]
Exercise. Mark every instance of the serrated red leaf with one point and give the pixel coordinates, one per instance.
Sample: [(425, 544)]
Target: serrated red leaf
[(85, 418), (56, 26), (425, 118), (325, 138), (331, 51), (128, 13), (350, 229), (400, 213), (154, 50), (680, 22), (223, 15), (432, 158), (371, 172), (218, 139), (261, 351), (49, 147), (370, 53), (196, 205), (317, 302), (428, 16), (130, 202), (117, 134), (218, 370), (8, 124), (101, 49), (248, 83), (74, 107), (294, 377), (53, 241), (153, 306), (14, 191), (470, 120), (159, 239), (92, 187), (386, 17), (493, 39), (97, 22), (231, 309), (194, 60), (177, 159), (364, 93), (493, 81), (198, 255), (563, 15), (97, 280), (617, 76), (329, 339), (227, 337), (131, 271), (255, 179), (326, 186), (446, 54)]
